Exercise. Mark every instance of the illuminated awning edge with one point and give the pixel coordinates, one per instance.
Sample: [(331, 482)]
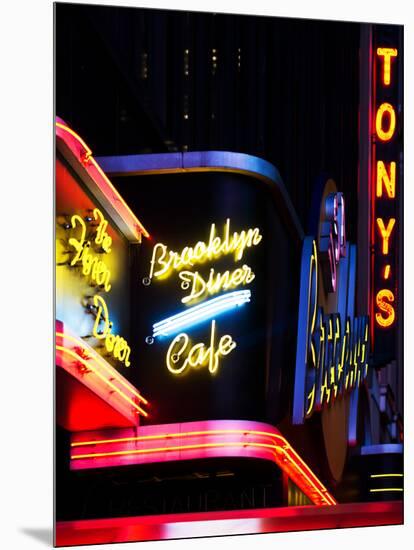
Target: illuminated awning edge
[(90, 369), (209, 161), (194, 440), (79, 155)]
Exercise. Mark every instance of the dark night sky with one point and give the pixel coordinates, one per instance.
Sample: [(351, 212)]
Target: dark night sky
[(135, 80)]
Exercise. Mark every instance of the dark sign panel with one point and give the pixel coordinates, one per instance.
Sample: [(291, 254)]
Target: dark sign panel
[(215, 298)]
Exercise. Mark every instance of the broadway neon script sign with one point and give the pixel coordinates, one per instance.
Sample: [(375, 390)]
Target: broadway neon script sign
[(332, 349), (199, 288)]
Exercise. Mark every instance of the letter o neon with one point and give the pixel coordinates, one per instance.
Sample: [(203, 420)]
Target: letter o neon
[(385, 135)]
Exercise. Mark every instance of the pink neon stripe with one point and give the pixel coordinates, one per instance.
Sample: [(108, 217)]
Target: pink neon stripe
[(173, 442)]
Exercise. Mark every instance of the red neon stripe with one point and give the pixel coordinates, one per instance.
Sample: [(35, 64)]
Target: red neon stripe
[(106, 379), (198, 524), (90, 351)]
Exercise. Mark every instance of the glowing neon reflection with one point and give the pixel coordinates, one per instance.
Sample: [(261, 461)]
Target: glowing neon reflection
[(386, 490), (201, 312)]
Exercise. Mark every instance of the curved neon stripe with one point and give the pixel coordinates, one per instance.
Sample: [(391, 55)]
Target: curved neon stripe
[(323, 495), (217, 303), (176, 448), (89, 157), (194, 318), (282, 439), (231, 296), (115, 388), (283, 447), (206, 315), (202, 312), (75, 135), (178, 434), (99, 360), (210, 161)]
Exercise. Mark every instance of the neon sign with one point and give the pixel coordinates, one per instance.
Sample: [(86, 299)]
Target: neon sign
[(181, 354), (114, 344), (385, 233), (164, 261), (385, 154), (92, 265), (385, 109), (95, 268), (387, 54), (386, 315), (332, 349), (215, 282), (386, 178)]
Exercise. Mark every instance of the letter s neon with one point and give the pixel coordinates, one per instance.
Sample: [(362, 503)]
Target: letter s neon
[(382, 299)]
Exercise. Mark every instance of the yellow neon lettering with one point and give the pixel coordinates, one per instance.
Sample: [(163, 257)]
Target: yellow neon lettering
[(237, 277), (196, 355), (102, 236), (199, 250), (102, 314), (92, 265), (385, 135), (181, 354), (311, 400), (176, 349), (325, 389), (158, 255), (216, 282), (213, 360), (119, 348), (383, 299), (385, 232), (110, 342), (387, 54), (343, 349), (114, 344), (226, 345), (77, 244), (164, 260), (386, 178)]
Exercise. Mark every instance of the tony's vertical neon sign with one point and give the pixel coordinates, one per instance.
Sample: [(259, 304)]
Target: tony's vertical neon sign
[(386, 158)]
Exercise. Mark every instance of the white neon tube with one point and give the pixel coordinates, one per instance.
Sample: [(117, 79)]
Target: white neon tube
[(201, 312), (236, 295)]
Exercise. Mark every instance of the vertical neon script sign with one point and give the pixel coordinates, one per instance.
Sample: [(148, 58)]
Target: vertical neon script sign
[(387, 118)]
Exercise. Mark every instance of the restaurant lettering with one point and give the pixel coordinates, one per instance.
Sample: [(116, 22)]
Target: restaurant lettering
[(183, 354), (88, 255)]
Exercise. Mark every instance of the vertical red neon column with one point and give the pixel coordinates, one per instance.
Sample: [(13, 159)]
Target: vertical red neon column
[(386, 135)]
